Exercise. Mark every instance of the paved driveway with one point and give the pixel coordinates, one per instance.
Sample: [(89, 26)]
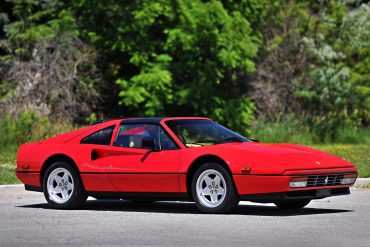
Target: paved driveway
[(26, 220)]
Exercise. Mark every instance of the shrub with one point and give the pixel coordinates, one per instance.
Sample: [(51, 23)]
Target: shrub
[(353, 135), (28, 126), (290, 129), (299, 130)]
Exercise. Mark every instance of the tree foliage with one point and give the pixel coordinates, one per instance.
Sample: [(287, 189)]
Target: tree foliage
[(171, 55), (336, 89), (49, 69), (233, 61)]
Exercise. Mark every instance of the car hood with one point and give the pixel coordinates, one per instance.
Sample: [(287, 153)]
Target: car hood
[(277, 158)]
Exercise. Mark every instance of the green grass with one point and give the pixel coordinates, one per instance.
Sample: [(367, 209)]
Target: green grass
[(7, 165), (357, 154)]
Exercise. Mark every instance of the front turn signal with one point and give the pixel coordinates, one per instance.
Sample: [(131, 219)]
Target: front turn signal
[(246, 170), (298, 182), (348, 179)]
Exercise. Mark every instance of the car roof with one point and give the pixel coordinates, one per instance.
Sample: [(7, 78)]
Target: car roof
[(157, 120), (153, 120)]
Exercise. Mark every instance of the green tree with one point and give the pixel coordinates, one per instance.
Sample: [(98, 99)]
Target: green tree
[(48, 68), (336, 90), (176, 56)]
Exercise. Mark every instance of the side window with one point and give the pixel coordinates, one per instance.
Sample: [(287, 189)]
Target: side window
[(101, 137), (166, 142), (132, 135)]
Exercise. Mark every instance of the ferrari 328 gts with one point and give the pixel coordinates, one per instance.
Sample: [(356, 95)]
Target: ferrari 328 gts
[(182, 158)]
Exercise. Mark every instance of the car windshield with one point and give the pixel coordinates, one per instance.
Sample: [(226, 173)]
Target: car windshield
[(196, 133)]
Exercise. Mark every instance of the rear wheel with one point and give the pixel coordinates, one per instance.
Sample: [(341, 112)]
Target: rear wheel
[(213, 190), (293, 204), (62, 187)]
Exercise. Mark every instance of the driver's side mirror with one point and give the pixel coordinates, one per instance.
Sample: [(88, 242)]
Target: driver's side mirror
[(150, 144)]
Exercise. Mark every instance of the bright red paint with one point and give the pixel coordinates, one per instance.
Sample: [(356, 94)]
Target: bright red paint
[(120, 169)]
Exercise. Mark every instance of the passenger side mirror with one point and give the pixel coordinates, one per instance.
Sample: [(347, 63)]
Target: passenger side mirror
[(149, 143)]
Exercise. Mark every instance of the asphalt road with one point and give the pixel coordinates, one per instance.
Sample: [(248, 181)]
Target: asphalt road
[(26, 220)]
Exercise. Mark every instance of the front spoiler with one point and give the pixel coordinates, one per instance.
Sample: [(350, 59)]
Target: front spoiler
[(291, 195)]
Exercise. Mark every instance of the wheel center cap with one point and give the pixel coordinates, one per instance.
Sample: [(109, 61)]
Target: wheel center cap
[(63, 185), (213, 188)]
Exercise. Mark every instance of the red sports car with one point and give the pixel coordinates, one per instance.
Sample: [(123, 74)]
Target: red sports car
[(182, 158)]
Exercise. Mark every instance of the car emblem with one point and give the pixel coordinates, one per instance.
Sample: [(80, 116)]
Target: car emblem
[(318, 163), (326, 180)]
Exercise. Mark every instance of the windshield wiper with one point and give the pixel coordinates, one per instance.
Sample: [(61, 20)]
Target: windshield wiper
[(230, 139)]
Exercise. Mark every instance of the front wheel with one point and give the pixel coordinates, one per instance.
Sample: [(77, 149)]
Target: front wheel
[(62, 187), (293, 204), (213, 190)]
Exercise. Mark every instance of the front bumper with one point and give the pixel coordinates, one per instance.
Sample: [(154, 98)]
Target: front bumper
[(291, 195), (265, 187)]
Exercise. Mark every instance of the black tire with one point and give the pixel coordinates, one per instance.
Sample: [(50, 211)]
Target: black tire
[(231, 199), (292, 204), (78, 196)]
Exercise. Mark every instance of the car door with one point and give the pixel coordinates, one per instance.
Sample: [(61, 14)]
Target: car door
[(134, 168)]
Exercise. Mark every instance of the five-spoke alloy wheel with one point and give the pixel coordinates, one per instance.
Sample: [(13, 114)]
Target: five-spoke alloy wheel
[(62, 187), (213, 190)]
